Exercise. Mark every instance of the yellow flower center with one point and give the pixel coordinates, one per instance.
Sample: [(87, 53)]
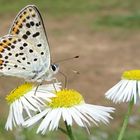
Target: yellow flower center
[(18, 92), (66, 98), (131, 75)]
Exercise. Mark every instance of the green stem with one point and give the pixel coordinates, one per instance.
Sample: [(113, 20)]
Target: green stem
[(69, 131), (126, 119)]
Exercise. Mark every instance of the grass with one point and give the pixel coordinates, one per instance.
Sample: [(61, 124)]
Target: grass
[(129, 135), (98, 133), (131, 21), (99, 14), (55, 8)]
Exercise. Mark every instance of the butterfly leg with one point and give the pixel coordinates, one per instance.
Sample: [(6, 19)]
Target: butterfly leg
[(54, 80), (65, 78), (37, 87)]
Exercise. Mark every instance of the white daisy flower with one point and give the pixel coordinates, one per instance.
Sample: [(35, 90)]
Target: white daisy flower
[(26, 99), (127, 89), (70, 106)]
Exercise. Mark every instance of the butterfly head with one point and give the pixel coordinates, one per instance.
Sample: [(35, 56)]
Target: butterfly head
[(49, 75)]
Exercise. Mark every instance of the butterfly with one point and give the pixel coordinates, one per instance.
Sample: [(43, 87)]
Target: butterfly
[(24, 51)]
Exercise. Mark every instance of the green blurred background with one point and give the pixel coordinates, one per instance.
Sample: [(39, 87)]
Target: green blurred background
[(106, 35)]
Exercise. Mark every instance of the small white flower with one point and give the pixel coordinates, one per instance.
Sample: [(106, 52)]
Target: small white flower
[(69, 105), (27, 99), (127, 89)]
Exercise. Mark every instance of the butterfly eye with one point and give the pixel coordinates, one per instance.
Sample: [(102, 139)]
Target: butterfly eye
[(53, 67)]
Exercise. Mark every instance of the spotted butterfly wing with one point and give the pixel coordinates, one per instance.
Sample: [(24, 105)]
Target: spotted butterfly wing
[(25, 51)]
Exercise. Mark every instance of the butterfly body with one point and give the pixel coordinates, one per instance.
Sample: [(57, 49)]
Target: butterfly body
[(25, 52)]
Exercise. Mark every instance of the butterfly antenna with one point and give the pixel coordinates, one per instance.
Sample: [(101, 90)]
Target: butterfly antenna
[(67, 59)]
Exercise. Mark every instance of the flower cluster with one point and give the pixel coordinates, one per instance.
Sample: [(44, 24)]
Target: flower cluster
[(50, 103)]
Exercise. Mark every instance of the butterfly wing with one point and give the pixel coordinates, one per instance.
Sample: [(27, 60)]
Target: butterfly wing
[(17, 58), (27, 27)]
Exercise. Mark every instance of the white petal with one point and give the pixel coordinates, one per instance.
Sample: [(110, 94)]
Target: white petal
[(17, 113), (36, 118), (124, 91), (32, 102), (123, 96), (129, 94), (50, 87), (87, 117), (9, 121), (83, 118), (98, 113), (139, 88), (76, 117), (115, 88), (120, 90), (46, 121), (55, 120), (25, 100), (66, 116), (134, 91)]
